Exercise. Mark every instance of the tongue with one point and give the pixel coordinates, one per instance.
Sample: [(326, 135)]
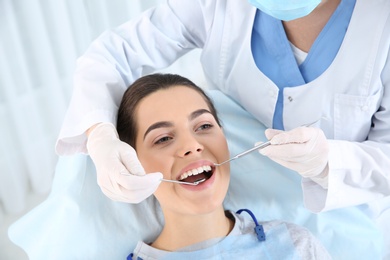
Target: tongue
[(194, 178)]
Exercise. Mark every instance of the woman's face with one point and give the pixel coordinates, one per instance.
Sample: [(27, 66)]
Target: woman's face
[(179, 137)]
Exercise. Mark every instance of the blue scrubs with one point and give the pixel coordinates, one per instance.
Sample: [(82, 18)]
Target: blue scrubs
[(273, 55)]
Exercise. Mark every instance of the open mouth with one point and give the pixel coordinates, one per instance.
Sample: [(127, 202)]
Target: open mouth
[(197, 175)]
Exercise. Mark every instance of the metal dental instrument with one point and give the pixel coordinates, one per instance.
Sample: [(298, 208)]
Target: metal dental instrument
[(259, 146), (183, 182)]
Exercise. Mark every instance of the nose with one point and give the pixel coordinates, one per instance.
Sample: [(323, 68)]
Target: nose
[(189, 145), (190, 151)]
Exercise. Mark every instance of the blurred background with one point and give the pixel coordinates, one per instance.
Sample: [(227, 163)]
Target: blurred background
[(40, 41)]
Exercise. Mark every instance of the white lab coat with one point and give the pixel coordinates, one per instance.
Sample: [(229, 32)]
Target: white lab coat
[(353, 93)]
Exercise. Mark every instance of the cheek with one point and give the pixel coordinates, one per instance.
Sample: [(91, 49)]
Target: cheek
[(223, 147), (224, 155), (155, 162)]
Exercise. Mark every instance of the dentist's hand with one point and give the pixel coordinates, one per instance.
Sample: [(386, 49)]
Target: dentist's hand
[(303, 149), (120, 175)]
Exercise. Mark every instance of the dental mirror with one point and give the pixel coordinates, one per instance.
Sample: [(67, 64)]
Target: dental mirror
[(184, 182)]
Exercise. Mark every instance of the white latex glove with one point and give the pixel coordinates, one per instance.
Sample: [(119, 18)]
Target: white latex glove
[(120, 174), (303, 149)]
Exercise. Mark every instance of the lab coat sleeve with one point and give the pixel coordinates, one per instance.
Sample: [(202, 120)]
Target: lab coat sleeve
[(359, 172), (113, 61)]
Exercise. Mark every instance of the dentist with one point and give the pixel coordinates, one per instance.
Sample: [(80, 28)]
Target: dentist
[(304, 60)]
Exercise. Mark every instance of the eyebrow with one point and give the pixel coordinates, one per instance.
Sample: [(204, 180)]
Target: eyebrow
[(163, 124)]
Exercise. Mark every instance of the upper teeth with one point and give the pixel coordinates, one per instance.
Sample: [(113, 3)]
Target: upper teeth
[(196, 171)]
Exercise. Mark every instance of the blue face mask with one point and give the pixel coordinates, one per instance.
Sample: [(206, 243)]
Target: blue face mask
[(286, 10)]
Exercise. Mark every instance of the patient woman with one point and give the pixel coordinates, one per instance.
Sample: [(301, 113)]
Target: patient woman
[(175, 130)]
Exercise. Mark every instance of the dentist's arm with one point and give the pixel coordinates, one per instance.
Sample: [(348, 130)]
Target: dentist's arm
[(120, 175)]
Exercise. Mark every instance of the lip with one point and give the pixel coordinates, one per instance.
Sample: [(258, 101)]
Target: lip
[(195, 165), (201, 186)]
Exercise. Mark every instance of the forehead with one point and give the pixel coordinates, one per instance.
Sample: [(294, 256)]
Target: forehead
[(168, 104)]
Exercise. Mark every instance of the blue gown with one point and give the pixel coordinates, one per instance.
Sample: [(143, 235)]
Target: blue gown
[(282, 241)]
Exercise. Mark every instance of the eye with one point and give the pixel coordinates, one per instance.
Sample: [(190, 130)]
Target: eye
[(204, 127), (163, 140)]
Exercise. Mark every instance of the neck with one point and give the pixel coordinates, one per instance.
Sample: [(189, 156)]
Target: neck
[(304, 31), (184, 230)]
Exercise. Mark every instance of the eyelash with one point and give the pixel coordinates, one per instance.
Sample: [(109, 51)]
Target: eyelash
[(205, 126), (165, 139)]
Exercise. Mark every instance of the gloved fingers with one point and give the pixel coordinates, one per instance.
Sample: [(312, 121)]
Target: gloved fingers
[(296, 143), (130, 189), (316, 170), (101, 133), (128, 196), (297, 135), (137, 183), (134, 183), (304, 150), (139, 188), (287, 152), (276, 151), (270, 133), (305, 169), (108, 184), (119, 172), (131, 164)]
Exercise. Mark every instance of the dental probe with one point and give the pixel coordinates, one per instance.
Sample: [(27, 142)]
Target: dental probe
[(184, 182), (259, 146)]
